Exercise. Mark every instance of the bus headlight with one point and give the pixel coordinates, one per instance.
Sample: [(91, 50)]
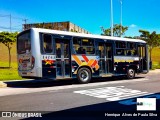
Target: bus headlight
[(137, 66), (114, 68)]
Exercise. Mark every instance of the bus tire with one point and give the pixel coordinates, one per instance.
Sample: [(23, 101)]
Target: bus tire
[(84, 75), (130, 73)]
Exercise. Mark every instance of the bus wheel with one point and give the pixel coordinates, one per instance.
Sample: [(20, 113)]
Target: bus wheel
[(131, 73), (84, 75)]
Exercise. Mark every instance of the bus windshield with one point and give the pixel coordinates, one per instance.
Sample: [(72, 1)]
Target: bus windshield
[(24, 43)]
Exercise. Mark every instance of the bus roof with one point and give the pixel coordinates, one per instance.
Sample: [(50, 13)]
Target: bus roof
[(85, 35)]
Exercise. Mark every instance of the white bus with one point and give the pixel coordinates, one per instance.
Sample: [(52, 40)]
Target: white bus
[(53, 54)]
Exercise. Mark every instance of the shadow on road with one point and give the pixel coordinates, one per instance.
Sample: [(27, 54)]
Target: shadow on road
[(98, 111), (38, 83)]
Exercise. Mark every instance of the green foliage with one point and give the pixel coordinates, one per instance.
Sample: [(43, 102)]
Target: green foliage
[(116, 30), (152, 39), (7, 39), (155, 65)]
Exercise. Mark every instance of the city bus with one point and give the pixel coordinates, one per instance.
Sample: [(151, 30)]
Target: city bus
[(53, 54)]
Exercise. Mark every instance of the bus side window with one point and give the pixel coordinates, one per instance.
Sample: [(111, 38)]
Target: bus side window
[(81, 50), (76, 44), (47, 43), (58, 49), (101, 51), (83, 45), (135, 52), (129, 53), (66, 51)]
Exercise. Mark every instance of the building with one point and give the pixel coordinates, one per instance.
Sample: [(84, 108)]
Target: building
[(64, 26)]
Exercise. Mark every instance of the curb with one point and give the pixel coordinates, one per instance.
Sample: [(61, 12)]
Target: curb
[(2, 84)]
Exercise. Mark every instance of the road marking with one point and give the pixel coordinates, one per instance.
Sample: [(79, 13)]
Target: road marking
[(112, 93)]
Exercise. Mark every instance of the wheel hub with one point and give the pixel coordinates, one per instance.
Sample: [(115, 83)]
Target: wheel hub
[(131, 73), (84, 75)]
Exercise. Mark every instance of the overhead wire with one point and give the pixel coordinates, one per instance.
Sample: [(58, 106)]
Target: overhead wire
[(11, 21)]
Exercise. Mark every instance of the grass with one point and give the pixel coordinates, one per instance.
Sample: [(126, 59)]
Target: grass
[(12, 73), (156, 55), (156, 58), (155, 65), (9, 73)]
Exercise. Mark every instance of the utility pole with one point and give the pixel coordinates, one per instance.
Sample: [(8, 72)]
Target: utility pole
[(25, 22), (121, 16), (111, 19), (102, 29)]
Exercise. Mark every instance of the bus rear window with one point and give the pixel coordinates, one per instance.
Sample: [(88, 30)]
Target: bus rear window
[(24, 43)]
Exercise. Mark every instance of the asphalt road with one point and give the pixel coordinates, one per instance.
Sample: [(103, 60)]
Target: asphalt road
[(67, 99)]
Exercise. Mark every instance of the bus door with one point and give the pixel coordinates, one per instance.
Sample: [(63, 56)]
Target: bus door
[(63, 58), (109, 57), (105, 52), (143, 58)]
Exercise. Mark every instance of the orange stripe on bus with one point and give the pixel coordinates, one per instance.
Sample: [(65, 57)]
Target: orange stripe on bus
[(97, 66), (79, 62), (90, 62), (94, 63), (85, 58)]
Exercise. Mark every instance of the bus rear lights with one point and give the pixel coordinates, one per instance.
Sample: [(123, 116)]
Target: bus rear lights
[(20, 60), (33, 62)]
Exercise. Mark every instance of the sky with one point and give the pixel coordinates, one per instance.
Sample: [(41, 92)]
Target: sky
[(88, 14)]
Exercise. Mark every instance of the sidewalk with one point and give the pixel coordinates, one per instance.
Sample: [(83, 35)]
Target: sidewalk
[(2, 84), (154, 71)]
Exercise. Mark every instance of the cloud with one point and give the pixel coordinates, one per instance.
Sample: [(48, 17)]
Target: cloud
[(133, 26)]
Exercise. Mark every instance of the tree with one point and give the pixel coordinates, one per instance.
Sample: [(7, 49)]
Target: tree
[(152, 39), (116, 30), (7, 39)]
